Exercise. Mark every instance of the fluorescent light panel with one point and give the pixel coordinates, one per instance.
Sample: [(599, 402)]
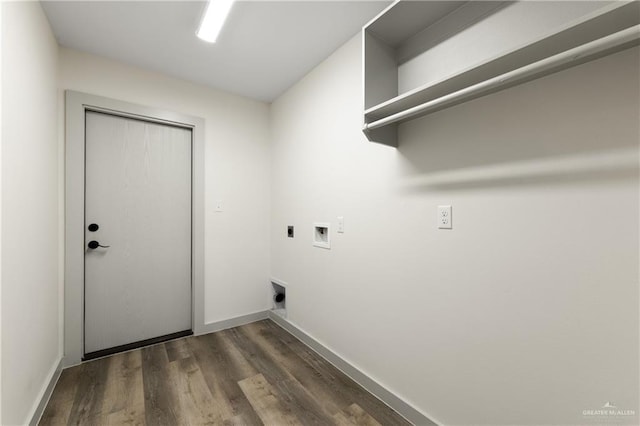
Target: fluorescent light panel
[(213, 20)]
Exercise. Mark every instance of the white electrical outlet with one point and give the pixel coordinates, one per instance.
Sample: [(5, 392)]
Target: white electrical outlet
[(340, 224), (444, 217)]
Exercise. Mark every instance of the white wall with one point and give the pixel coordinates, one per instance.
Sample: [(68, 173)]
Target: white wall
[(526, 312), (1, 8), (30, 216), (236, 171)]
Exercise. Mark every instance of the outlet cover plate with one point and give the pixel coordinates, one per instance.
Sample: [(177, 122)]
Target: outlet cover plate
[(444, 217)]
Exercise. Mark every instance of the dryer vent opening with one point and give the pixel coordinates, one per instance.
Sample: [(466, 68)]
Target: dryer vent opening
[(279, 299)]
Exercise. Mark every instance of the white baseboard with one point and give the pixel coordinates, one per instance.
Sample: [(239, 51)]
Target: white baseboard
[(232, 322), (389, 398), (46, 394)]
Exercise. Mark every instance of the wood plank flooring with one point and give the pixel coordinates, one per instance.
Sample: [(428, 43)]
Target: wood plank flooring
[(250, 375)]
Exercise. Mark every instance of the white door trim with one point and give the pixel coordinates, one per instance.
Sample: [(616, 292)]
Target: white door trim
[(76, 105)]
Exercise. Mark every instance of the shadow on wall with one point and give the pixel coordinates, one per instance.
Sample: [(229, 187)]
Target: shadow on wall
[(569, 128)]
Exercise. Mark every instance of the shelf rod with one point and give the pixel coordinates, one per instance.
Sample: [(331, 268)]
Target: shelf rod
[(629, 35)]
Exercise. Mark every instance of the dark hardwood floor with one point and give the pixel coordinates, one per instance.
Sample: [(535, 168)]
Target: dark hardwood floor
[(250, 375)]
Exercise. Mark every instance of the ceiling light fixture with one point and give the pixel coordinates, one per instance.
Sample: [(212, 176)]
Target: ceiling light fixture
[(213, 19)]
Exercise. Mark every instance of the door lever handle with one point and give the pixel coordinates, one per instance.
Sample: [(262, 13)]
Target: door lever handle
[(94, 245)]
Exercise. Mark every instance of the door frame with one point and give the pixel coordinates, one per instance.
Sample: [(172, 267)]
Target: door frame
[(77, 104)]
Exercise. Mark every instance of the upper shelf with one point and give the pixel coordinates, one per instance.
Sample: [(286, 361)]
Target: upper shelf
[(464, 50)]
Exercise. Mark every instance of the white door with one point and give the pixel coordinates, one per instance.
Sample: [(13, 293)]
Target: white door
[(138, 193)]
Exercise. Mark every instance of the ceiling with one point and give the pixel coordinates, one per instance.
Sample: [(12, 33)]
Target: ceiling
[(263, 49)]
